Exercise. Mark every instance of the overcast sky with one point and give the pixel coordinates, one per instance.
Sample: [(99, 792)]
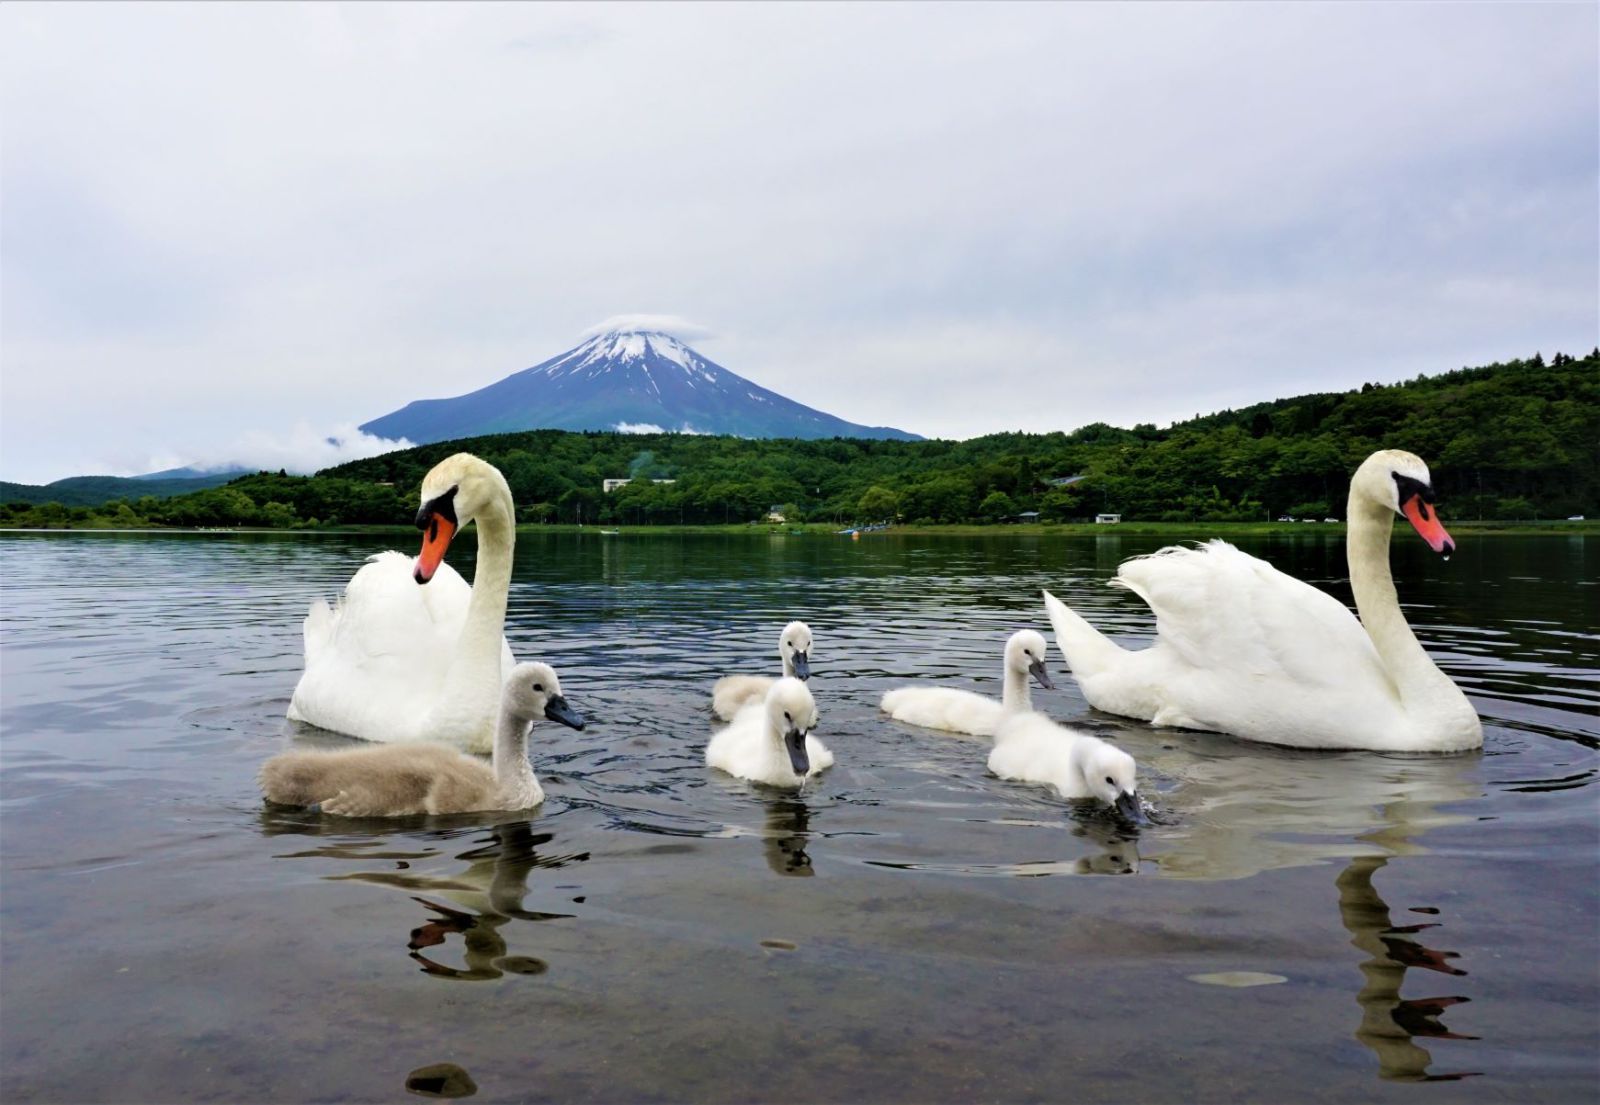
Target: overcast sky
[(229, 230)]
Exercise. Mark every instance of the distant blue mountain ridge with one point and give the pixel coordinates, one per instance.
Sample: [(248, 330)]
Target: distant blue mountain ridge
[(621, 379), (94, 490), (227, 472)]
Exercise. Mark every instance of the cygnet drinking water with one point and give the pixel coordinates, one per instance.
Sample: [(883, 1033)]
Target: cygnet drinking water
[(1031, 748)]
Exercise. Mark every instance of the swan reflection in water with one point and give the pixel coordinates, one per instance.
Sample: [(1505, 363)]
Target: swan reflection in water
[(1390, 1023), (783, 840), (482, 898), (1240, 809)]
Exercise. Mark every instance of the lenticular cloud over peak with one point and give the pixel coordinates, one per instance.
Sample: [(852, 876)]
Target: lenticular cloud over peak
[(671, 325)]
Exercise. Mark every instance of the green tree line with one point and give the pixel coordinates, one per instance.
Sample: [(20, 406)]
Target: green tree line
[(1515, 440)]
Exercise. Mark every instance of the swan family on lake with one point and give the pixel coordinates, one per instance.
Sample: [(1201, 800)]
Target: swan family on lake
[(414, 657)]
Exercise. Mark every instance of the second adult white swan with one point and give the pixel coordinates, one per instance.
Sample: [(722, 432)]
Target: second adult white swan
[(398, 661), (1242, 648)]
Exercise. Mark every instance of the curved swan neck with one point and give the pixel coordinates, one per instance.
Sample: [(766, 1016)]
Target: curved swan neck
[(513, 774), (475, 670), (1415, 675), (1015, 694)]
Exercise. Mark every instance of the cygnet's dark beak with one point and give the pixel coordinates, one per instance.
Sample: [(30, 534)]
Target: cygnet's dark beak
[(802, 667), (556, 709), (1036, 669), (1129, 808), (794, 741)]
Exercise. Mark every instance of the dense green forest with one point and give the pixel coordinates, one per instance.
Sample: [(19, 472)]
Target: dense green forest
[(1519, 440)]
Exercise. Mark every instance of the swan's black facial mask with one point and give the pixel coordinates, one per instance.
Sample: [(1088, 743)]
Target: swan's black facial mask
[(802, 666), (1416, 503), (437, 521)]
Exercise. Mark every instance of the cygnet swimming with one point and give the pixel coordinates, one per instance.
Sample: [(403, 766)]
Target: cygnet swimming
[(976, 714), (770, 742), (1030, 748), (400, 780), (733, 693)]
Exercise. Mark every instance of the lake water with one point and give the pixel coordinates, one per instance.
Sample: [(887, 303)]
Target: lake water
[(910, 929)]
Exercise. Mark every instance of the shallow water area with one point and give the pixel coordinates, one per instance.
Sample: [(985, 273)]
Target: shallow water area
[(908, 928)]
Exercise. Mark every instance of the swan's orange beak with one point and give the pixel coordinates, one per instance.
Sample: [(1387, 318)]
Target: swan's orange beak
[(435, 540), (1425, 520)]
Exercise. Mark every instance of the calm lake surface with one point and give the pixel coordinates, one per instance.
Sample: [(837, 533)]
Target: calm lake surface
[(910, 929)]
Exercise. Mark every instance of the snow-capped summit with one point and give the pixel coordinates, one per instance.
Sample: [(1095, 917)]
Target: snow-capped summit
[(631, 373)]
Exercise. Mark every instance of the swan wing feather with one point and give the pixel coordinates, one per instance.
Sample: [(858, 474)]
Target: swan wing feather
[(1221, 609), (373, 661)]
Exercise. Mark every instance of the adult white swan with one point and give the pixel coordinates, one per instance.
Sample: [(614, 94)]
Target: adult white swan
[(1242, 648), (398, 661)]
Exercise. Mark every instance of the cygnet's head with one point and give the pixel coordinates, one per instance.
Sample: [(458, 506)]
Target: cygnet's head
[(532, 691), (791, 714), (1111, 777), (454, 492), (1399, 480), (1025, 653), (794, 647)]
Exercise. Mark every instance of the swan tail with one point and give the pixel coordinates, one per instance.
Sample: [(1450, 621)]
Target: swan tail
[(1088, 651), (317, 629)]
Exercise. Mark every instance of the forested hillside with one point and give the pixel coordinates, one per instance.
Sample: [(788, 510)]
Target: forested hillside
[(94, 490), (1518, 440)]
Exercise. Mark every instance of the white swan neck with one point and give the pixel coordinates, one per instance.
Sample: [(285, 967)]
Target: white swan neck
[(513, 774), (1016, 697), (1417, 679), (474, 674)]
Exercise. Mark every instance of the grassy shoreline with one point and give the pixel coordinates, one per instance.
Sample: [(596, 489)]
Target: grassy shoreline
[(1175, 530)]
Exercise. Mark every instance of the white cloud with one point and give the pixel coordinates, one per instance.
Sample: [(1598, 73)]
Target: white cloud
[(301, 451), (651, 428), (671, 325)]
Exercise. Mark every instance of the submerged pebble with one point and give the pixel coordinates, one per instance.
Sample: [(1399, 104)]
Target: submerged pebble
[(1238, 979), (522, 965), (441, 1080)]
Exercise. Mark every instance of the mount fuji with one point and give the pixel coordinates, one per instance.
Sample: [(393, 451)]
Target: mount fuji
[(628, 375)]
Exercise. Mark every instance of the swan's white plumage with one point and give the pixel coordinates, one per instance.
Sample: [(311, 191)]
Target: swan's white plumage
[(958, 711), (1031, 748), (732, 693), (1221, 608), (1242, 648), (752, 746), (944, 708), (373, 662), (398, 661)]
